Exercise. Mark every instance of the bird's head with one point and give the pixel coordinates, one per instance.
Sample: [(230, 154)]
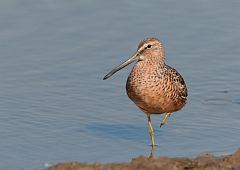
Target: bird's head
[(149, 50)]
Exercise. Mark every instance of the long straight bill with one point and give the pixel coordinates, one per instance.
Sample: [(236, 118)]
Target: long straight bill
[(124, 64)]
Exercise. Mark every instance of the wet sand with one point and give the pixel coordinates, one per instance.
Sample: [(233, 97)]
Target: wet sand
[(201, 162)]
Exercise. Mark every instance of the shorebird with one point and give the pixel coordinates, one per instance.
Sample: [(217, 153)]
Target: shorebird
[(153, 86)]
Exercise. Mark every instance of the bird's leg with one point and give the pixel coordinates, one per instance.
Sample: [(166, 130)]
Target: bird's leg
[(151, 156), (151, 130), (165, 119)]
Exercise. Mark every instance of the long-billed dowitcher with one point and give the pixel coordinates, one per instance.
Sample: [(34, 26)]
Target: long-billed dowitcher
[(152, 85)]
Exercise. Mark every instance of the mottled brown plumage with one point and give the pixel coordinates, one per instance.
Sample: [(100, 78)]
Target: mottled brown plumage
[(152, 85)]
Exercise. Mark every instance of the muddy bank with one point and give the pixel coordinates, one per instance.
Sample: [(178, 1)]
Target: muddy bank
[(201, 162)]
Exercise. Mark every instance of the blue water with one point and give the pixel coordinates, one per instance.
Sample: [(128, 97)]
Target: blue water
[(55, 107)]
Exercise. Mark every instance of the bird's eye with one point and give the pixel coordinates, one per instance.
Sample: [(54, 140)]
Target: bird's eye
[(149, 46)]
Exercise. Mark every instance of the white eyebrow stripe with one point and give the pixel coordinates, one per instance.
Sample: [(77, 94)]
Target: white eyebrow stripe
[(142, 48), (145, 45)]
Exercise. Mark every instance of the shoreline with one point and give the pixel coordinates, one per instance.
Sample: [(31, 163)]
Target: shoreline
[(203, 161)]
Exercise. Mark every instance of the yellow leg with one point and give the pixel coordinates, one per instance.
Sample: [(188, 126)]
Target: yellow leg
[(151, 155), (151, 130), (165, 119)]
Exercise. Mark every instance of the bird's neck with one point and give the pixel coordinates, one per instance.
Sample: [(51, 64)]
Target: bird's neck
[(146, 65)]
